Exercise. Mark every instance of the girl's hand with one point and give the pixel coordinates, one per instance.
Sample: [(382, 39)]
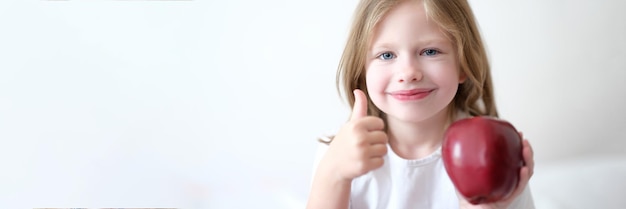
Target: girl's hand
[(359, 146), (525, 173)]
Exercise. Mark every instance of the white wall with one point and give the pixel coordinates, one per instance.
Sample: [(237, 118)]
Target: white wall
[(216, 104)]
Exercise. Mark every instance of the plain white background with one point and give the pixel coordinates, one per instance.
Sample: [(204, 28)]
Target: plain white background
[(217, 104)]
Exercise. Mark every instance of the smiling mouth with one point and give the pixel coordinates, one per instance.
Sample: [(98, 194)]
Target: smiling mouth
[(413, 94)]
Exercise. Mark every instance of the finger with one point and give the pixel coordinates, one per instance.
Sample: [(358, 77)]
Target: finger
[(521, 185), (378, 150), (375, 162), (524, 178), (372, 123), (359, 109), (377, 137), (526, 171), (528, 155)]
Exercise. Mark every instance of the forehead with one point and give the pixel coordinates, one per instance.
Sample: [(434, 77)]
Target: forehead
[(407, 21)]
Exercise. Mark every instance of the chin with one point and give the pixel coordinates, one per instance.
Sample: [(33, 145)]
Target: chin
[(410, 116), (413, 114)]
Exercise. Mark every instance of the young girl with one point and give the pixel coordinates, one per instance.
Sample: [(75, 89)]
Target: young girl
[(410, 68)]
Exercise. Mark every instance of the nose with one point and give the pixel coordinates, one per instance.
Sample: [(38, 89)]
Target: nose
[(410, 71)]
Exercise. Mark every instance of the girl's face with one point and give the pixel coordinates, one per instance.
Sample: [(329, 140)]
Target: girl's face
[(412, 69)]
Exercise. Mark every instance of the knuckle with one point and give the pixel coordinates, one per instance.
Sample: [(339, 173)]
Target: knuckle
[(360, 141), (353, 125), (380, 122), (361, 167), (379, 163)]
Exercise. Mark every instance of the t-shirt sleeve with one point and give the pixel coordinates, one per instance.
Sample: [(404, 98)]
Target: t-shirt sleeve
[(524, 200)]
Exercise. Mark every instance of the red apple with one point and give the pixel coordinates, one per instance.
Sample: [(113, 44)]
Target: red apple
[(483, 157)]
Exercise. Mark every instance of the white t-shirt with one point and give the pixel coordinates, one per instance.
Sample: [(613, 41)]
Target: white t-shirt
[(402, 183)]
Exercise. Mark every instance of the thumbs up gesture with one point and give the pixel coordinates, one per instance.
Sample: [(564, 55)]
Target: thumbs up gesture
[(360, 144)]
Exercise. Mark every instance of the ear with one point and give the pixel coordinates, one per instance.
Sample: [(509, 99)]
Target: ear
[(462, 78)]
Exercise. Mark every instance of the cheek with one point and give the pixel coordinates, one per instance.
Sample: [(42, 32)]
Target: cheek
[(377, 81), (446, 75)]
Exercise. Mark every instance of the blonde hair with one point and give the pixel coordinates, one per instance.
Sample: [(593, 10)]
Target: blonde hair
[(475, 95)]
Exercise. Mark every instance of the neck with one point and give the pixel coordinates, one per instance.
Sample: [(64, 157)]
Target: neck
[(414, 140)]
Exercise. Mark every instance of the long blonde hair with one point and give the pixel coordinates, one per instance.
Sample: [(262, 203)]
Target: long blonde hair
[(475, 95)]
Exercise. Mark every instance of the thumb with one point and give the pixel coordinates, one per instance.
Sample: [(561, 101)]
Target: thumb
[(359, 109)]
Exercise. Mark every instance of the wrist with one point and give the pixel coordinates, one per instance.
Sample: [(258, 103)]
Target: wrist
[(330, 174)]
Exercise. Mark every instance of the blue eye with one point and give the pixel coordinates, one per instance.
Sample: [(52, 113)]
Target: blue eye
[(430, 52), (386, 56)]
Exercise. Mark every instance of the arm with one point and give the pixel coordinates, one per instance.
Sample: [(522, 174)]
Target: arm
[(358, 148), (326, 191)]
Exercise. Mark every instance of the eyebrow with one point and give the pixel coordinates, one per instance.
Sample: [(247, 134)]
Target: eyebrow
[(426, 41)]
